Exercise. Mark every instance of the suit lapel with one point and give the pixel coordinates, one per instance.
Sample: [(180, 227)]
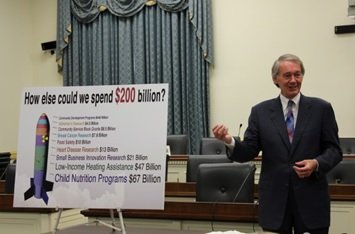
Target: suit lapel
[(303, 117)]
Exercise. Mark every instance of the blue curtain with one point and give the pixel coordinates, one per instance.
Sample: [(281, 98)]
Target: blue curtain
[(105, 42)]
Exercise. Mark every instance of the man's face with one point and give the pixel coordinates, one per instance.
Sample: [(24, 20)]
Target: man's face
[(289, 79)]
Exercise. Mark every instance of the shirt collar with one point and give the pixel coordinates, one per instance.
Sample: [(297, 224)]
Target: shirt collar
[(284, 100)]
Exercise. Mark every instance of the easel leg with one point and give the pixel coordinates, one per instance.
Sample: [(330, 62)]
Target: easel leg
[(112, 218), (121, 221), (58, 218), (113, 225)]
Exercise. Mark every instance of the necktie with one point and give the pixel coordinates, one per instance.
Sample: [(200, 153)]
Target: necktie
[(290, 121)]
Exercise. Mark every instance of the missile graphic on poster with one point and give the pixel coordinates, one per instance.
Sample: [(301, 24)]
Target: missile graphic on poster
[(39, 185)]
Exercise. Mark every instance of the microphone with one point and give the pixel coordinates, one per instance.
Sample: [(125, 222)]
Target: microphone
[(2, 176), (252, 170), (240, 127)]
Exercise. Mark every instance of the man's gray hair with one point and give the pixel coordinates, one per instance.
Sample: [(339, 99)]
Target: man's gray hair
[(286, 57)]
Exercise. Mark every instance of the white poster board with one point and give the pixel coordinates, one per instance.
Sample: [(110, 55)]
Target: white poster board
[(92, 147)]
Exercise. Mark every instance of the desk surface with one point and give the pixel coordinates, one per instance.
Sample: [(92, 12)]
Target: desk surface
[(338, 192), (241, 212)]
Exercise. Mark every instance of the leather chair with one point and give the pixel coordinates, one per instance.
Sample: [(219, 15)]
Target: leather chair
[(347, 145), (194, 161), (225, 182), (211, 145), (343, 173), (10, 178), (179, 144)]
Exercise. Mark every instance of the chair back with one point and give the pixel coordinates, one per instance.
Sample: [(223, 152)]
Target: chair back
[(194, 161), (343, 173), (179, 144), (347, 145), (225, 182), (211, 145), (10, 178)]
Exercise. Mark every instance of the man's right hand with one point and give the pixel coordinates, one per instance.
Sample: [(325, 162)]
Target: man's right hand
[(221, 132)]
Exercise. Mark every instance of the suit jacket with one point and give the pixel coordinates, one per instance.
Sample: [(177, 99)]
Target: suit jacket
[(315, 137)]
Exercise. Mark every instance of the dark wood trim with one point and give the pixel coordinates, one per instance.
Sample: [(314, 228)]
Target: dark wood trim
[(183, 157), (342, 192), (237, 212), (338, 192), (176, 189)]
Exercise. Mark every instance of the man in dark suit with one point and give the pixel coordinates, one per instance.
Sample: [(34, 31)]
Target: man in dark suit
[(293, 189)]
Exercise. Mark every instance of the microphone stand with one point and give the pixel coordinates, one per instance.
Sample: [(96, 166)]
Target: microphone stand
[(243, 183), (2, 176)]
